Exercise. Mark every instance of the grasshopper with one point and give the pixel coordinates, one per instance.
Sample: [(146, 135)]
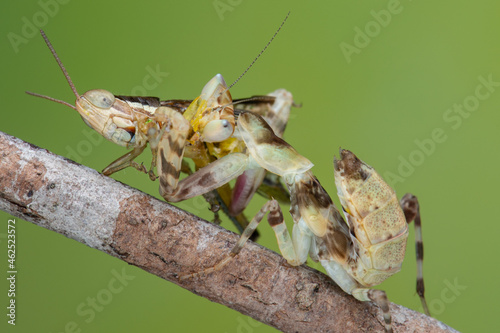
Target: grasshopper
[(357, 253)]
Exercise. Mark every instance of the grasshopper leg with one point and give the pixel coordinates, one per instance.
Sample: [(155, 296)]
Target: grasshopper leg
[(126, 161), (411, 208), (167, 141), (170, 150)]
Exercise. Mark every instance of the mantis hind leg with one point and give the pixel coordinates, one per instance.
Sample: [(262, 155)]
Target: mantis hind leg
[(411, 208), (378, 297)]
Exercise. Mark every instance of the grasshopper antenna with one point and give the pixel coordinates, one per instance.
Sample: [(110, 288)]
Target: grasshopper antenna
[(51, 48), (253, 62), (51, 99)]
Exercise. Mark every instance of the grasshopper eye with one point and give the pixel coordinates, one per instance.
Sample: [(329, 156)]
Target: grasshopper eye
[(101, 98), (217, 131)]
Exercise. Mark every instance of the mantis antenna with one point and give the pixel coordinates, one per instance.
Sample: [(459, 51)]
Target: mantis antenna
[(268, 43)]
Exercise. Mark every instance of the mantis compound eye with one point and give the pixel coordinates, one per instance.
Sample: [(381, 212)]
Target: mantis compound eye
[(101, 98), (217, 131)]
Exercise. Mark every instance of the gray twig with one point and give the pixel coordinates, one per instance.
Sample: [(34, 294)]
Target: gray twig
[(80, 203)]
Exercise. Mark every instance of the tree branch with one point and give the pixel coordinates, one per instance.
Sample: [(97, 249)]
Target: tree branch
[(84, 205)]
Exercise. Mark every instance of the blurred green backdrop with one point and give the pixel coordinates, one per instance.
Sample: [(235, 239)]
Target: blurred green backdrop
[(401, 84)]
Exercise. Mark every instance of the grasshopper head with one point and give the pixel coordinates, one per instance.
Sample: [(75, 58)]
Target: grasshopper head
[(99, 109), (107, 115), (95, 107)]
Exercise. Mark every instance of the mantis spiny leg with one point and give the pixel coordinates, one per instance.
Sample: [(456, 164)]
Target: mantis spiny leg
[(275, 217), (285, 243)]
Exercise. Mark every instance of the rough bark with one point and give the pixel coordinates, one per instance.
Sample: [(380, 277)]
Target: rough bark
[(84, 205)]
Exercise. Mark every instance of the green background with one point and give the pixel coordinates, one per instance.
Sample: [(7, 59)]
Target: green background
[(394, 91)]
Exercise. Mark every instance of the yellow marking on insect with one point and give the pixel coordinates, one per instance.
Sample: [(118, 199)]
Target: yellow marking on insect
[(228, 146), (194, 112)]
